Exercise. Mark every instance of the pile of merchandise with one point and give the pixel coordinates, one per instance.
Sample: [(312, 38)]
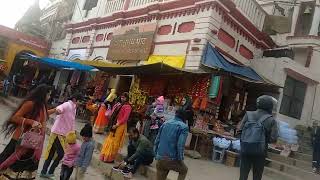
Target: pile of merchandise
[(287, 134), (221, 142)]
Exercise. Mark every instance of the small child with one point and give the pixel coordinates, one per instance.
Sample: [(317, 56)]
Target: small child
[(86, 152), (70, 156)]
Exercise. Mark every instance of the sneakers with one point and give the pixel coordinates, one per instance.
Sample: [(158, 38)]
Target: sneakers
[(129, 175), (314, 170), (116, 168), (126, 171)]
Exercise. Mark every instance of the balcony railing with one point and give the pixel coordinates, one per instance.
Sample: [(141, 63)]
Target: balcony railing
[(115, 5), (303, 41), (137, 3), (253, 11)]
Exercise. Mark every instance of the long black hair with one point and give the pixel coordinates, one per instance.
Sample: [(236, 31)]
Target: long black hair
[(38, 97)]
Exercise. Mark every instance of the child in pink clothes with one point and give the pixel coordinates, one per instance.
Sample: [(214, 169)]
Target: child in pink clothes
[(70, 156)]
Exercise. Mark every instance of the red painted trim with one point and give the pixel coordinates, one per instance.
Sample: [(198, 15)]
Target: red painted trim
[(186, 27), (109, 36), (164, 30), (235, 13), (228, 55), (75, 40), (85, 39), (99, 37), (178, 7), (300, 77), (226, 38), (245, 52)]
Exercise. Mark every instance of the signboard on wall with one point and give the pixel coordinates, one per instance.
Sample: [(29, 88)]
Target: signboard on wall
[(132, 43)]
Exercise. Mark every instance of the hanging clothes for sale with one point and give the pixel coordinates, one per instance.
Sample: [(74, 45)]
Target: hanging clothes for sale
[(215, 86)]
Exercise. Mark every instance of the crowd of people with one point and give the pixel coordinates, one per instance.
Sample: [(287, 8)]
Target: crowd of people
[(154, 137)]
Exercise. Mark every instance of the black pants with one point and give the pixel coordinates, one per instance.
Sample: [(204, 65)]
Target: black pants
[(56, 148), (143, 159), (256, 163), (66, 172), (316, 155)]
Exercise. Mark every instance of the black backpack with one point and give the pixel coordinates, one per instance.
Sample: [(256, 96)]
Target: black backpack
[(253, 136)]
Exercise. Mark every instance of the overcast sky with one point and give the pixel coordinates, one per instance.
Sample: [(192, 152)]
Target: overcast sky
[(12, 10)]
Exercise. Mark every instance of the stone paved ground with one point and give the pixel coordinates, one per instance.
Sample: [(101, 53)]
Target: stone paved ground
[(91, 172), (198, 169)]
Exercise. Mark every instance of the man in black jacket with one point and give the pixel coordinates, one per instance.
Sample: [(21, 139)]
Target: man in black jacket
[(263, 114), (315, 135)]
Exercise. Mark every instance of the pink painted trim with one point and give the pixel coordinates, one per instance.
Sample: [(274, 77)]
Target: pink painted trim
[(120, 17)]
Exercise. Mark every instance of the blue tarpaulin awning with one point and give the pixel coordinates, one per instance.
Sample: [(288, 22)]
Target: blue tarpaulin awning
[(60, 64), (213, 59)]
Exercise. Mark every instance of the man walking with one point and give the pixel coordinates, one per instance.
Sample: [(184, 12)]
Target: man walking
[(140, 152), (315, 141), (257, 130), (64, 123), (169, 147)]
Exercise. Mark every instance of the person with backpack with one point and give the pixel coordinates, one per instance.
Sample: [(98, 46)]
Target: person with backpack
[(258, 128)]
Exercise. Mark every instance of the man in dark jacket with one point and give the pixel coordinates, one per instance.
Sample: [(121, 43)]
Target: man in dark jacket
[(315, 135), (263, 114), (140, 152)]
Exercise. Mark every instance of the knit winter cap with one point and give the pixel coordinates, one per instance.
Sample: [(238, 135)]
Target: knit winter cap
[(71, 138), (160, 100), (86, 131), (266, 103)]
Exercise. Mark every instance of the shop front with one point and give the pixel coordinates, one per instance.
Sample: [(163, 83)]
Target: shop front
[(13, 45)]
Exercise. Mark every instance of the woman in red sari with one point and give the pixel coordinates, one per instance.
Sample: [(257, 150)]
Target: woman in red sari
[(117, 129), (17, 162)]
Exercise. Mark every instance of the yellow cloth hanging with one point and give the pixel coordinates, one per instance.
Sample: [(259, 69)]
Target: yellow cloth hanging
[(174, 61)]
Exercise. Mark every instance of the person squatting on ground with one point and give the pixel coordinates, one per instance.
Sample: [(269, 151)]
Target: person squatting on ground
[(258, 128), (17, 161), (86, 152), (64, 123), (169, 147), (140, 152), (70, 156)]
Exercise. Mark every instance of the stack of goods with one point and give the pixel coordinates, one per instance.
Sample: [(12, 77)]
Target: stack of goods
[(200, 87), (236, 145), (136, 96), (201, 123), (221, 142), (100, 80), (287, 134), (287, 141)]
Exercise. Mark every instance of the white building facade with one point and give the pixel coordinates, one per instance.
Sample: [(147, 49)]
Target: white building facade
[(183, 28), (299, 71)]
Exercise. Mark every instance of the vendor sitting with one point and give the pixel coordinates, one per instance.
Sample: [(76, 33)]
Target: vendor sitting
[(140, 152)]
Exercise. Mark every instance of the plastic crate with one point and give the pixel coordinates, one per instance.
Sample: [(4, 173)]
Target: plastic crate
[(218, 154)]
